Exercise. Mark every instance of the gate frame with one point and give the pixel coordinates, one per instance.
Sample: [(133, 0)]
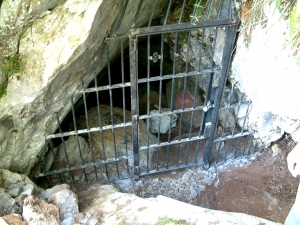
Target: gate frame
[(215, 94)]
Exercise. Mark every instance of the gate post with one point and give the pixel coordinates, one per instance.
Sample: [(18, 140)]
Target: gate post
[(226, 59), (134, 103)]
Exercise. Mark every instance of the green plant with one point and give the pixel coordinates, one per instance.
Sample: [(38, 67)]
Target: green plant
[(198, 12), (13, 65), (2, 91), (169, 221)]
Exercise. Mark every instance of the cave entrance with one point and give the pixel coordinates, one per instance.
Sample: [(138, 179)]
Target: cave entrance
[(156, 108)]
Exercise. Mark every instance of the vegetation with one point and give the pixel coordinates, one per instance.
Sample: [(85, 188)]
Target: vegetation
[(13, 65), (2, 91), (289, 10), (169, 221)]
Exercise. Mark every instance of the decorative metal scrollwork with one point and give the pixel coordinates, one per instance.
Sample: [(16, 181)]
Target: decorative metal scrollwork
[(155, 57)]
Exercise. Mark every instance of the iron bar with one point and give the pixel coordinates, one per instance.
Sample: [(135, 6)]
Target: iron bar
[(88, 128), (230, 39), (111, 105), (137, 13), (172, 98), (100, 125), (152, 14), (55, 163), (182, 27), (121, 17), (64, 147), (124, 101), (220, 8), (148, 98), (175, 142), (145, 80), (77, 139), (87, 165), (134, 104), (208, 9), (168, 11), (182, 10)]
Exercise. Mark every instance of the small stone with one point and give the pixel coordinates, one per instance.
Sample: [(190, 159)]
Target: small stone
[(36, 211), (46, 194), (15, 191), (7, 204), (13, 219), (67, 203)]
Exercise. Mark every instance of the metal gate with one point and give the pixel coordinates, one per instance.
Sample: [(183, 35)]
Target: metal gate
[(113, 143)]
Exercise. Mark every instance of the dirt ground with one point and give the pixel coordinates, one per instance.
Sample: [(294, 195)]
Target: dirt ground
[(264, 188)]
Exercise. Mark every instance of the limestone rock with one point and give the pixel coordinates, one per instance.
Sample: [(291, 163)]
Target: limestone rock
[(74, 151), (108, 206), (36, 211), (67, 203), (10, 180), (7, 204), (13, 219), (47, 193), (62, 42)]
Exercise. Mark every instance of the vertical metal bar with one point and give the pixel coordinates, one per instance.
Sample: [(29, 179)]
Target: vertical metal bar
[(134, 103), (160, 95), (208, 9), (77, 139), (88, 128), (172, 99), (201, 130), (230, 9), (124, 102), (220, 8), (100, 125), (153, 10), (111, 107), (148, 98), (65, 149), (121, 17), (55, 163), (137, 13), (182, 10), (194, 11), (230, 40), (168, 11)]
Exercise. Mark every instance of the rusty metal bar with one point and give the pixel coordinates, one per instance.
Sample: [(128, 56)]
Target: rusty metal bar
[(230, 40), (134, 104), (183, 26)]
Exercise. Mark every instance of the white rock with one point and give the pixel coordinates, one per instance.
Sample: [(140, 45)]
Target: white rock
[(67, 203), (39, 212)]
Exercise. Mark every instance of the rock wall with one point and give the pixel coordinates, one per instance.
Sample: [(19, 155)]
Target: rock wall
[(265, 68), (62, 43)]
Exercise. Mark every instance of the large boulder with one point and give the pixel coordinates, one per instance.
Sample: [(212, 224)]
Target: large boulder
[(61, 42)]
